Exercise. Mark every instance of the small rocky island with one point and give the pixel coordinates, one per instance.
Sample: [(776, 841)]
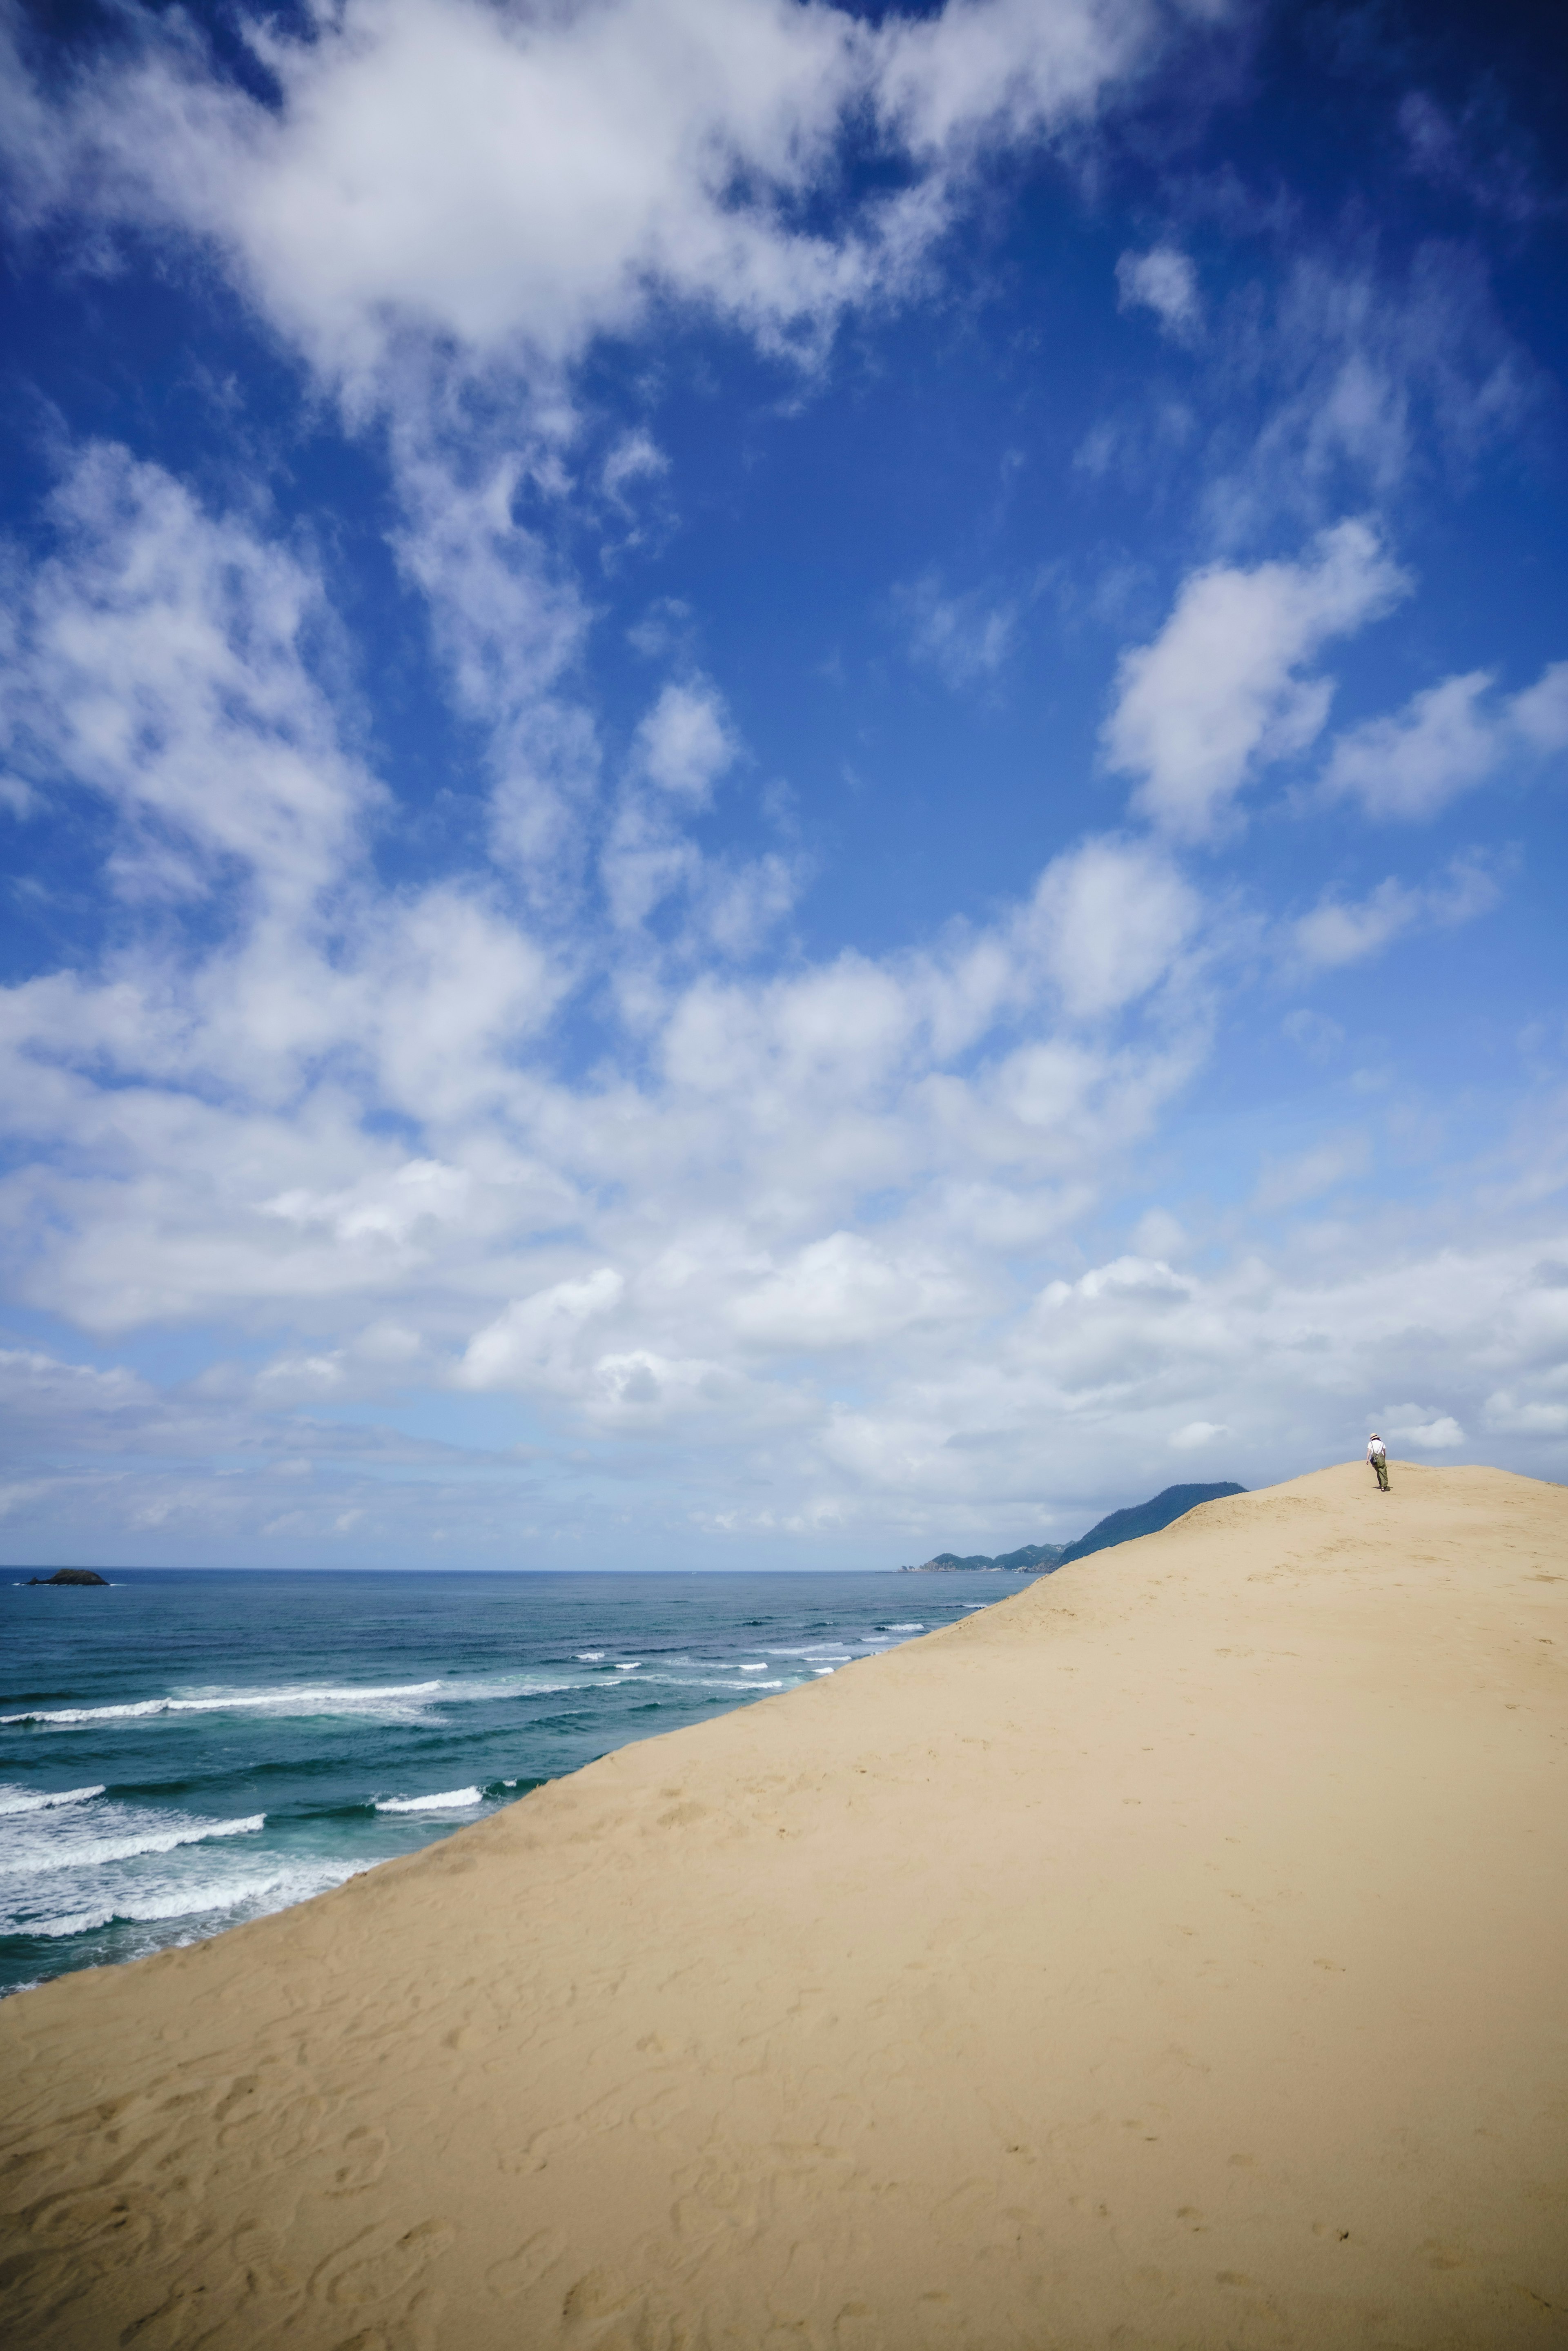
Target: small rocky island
[(70, 1575)]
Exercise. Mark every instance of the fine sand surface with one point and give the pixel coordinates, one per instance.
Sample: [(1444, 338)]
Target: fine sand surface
[(1174, 1956)]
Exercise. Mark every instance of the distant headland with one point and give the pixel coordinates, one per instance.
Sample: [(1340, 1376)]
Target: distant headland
[(1122, 1526)]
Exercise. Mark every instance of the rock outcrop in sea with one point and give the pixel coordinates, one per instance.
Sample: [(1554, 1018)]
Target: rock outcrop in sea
[(70, 1575)]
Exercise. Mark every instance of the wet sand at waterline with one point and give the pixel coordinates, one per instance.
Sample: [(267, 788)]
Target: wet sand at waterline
[(1175, 1955)]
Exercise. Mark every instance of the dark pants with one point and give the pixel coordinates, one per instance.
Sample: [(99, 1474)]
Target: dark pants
[(1381, 1465)]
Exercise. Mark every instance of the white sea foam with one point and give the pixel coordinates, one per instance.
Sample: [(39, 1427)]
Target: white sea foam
[(754, 1670), (630, 1668), (149, 1832), (904, 1628), (25, 1800), (310, 1699), (454, 1800), (78, 1910), (590, 1656), (392, 1700)]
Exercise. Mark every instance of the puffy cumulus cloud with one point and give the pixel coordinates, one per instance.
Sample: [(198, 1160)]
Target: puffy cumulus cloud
[(1112, 918), (379, 1212), (1539, 1416), (1162, 280), (165, 659), (1222, 690), (715, 902), (684, 744), (1418, 1424), (1341, 931), (845, 1291), (1447, 740), (512, 179), (1196, 1433), (539, 1338)]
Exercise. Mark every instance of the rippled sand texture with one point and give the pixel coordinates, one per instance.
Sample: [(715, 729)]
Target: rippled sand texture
[(1173, 1956)]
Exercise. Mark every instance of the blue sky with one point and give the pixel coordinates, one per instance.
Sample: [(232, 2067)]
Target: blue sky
[(780, 785)]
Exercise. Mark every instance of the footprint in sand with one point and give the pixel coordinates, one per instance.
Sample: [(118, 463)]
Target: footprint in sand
[(519, 2272), (380, 2263)]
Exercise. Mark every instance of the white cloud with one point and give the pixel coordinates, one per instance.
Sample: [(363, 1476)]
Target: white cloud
[(1410, 766), (537, 1339), (1198, 1432), (376, 1212), (1162, 280), (636, 457), (509, 626), (684, 744), (1418, 1425), (163, 658), (1541, 713), (1110, 919), (1505, 1412), (1338, 932), (727, 904), (1445, 741), (1220, 692), (845, 1291)]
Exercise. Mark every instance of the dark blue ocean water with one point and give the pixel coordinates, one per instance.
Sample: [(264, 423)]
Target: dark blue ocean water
[(187, 1749)]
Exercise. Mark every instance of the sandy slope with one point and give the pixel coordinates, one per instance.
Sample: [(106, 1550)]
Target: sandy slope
[(1173, 1956)]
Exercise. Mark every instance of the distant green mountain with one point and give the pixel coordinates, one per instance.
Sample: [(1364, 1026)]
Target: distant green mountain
[(1033, 1559), (1122, 1526), (1145, 1518)]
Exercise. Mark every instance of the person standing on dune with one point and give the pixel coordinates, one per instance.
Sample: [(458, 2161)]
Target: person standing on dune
[(1379, 1460)]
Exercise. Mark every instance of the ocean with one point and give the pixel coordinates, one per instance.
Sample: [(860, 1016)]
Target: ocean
[(190, 1749)]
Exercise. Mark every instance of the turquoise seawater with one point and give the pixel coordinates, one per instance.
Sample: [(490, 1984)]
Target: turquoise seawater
[(186, 1750)]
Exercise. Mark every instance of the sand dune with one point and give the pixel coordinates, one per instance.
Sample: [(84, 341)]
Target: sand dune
[(1175, 1955)]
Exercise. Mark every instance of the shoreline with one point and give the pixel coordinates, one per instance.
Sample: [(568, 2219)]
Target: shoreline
[(1169, 1954)]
